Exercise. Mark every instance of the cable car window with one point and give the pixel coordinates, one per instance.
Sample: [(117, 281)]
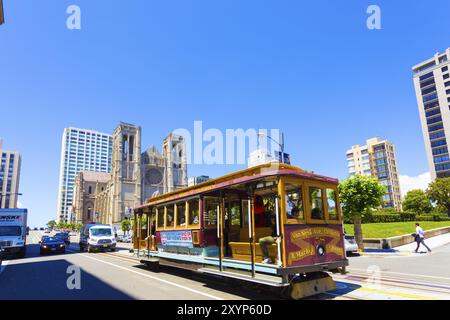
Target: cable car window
[(331, 200), (316, 203), (210, 214), (160, 217), (294, 202), (181, 214), (194, 213), (170, 216)]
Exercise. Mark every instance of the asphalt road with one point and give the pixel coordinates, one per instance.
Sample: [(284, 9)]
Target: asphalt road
[(115, 276)]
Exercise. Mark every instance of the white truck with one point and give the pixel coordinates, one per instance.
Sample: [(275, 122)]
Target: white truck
[(13, 231)]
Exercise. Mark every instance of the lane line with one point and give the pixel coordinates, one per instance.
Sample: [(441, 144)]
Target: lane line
[(154, 278), (3, 267), (390, 279), (404, 274)]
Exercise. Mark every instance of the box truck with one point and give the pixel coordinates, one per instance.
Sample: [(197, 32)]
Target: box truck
[(13, 231)]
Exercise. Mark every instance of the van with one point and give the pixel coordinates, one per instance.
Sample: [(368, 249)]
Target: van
[(96, 237)]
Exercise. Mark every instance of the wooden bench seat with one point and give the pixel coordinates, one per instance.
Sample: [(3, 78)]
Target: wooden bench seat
[(241, 251)]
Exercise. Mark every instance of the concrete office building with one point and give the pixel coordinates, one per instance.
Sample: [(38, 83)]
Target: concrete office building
[(432, 85), (81, 150), (197, 180), (9, 177), (377, 158)]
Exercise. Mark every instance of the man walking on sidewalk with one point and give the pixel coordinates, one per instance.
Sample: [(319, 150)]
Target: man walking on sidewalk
[(420, 237)]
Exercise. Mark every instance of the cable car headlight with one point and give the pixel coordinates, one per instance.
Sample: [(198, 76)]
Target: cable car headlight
[(320, 250)]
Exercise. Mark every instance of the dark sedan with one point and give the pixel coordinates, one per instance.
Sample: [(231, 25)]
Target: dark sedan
[(52, 245), (64, 236)]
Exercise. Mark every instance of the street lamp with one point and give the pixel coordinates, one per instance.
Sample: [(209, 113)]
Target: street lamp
[(281, 145)]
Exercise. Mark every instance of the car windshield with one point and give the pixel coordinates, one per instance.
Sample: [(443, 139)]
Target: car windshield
[(51, 239), (10, 231), (99, 232)]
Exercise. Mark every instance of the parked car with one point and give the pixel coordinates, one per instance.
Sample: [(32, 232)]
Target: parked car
[(35, 229), (2, 255), (96, 237), (47, 230), (42, 229), (52, 245), (350, 244)]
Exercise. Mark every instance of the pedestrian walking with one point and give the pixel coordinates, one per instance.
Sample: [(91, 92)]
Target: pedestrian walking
[(420, 238)]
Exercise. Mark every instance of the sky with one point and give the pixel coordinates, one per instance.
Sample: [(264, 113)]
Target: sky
[(309, 68)]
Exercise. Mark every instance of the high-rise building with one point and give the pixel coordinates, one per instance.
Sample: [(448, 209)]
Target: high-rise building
[(377, 158), (82, 150), (197, 180), (432, 84), (9, 177)]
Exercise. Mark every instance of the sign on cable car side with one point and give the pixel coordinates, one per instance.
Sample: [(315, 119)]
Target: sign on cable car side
[(313, 244), (182, 238)]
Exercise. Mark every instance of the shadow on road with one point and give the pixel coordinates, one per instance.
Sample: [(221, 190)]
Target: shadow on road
[(231, 286), (47, 280), (33, 252)]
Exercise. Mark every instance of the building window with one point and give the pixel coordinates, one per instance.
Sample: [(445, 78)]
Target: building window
[(427, 76)]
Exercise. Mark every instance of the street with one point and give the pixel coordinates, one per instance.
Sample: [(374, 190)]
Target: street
[(116, 276)]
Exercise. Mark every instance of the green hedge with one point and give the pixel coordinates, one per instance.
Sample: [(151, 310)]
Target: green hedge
[(432, 218), (377, 217)]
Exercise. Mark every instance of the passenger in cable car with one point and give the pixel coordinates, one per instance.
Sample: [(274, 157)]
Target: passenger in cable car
[(260, 213), (265, 242)]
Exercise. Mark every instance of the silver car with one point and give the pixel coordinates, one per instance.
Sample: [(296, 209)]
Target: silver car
[(350, 244)]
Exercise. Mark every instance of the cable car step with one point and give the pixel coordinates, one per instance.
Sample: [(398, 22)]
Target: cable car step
[(260, 279)]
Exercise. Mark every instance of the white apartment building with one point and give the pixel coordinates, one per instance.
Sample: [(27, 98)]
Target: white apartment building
[(9, 178), (432, 85), (81, 150), (377, 158)]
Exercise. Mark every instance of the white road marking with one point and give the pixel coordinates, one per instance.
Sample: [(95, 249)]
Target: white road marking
[(3, 267), (154, 278), (404, 274)]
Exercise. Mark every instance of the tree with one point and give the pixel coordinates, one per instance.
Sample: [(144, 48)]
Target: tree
[(126, 225), (360, 194), (51, 224), (439, 191), (417, 201)]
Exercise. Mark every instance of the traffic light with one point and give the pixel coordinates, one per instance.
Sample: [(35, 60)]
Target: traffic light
[(2, 18)]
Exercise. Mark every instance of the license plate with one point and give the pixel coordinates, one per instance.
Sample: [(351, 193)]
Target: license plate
[(105, 246), (53, 249)]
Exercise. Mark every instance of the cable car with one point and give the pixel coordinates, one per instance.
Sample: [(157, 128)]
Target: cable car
[(273, 224)]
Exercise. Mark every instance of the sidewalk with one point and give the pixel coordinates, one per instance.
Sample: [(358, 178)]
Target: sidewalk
[(408, 249)]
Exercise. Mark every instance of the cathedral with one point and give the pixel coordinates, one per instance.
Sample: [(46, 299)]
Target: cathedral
[(135, 176)]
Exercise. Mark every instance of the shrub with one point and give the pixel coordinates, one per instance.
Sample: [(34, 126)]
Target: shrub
[(386, 217), (430, 217), (407, 216)]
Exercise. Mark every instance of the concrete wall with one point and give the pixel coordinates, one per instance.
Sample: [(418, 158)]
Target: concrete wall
[(393, 242)]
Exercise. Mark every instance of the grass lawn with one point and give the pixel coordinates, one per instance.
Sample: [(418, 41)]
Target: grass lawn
[(387, 230)]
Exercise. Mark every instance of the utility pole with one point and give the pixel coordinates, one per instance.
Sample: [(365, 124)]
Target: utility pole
[(2, 17)]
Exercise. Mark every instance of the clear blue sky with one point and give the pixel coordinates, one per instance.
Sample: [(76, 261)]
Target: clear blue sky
[(310, 68)]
